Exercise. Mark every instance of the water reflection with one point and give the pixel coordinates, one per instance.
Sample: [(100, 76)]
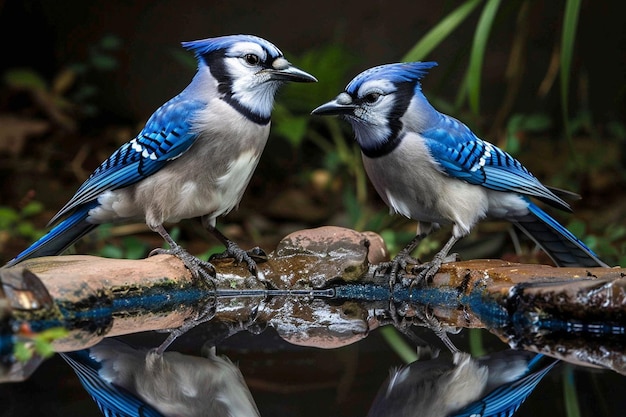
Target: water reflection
[(125, 381), (494, 385), (128, 382)]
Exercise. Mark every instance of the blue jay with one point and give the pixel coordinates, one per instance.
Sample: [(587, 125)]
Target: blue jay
[(194, 157), (126, 382), (494, 385), (431, 168)]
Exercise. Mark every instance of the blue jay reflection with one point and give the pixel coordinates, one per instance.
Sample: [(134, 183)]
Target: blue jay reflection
[(430, 167), (126, 382), (194, 157), (494, 385)]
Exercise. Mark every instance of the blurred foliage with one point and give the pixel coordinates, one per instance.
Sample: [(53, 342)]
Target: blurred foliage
[(19, 222), (340, 155), (487, 24), (570, 395), (128, 247), (37, 344), (69, 95)]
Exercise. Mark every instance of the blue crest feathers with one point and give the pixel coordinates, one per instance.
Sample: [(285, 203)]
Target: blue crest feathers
[(204, 46), (396, 73)]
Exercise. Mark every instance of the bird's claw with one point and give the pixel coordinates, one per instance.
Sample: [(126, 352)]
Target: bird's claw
[(397, 264), (207, 313), (240, 255), (426, 271), (431, 322), (250, 257), (258, 254), (201, 270), (400, 321)]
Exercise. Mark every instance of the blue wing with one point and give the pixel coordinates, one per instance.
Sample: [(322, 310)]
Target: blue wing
[(112, 400), (506, 399), (463, 155), (166, 136)]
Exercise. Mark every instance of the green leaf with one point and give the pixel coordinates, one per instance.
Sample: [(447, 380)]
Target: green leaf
[(84, 92), (476, 344), (577, 227), (110, 251), (8, 217), (135, 248), (43, 347), (25, 78), (331, 65), (524, 123), (22, 352), (403, 350), (103, 62), (570, 396), (570, 25), (111, 42), (441, 31), (32, 208), (352, 206), (26, 229), (293, 128), (477, 56)]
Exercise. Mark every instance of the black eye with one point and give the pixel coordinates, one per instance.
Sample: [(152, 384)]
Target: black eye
[(251, 59), (372, 98)]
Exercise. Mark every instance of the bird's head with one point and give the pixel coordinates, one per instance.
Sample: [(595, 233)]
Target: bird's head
[(375, 103), (248, 69)]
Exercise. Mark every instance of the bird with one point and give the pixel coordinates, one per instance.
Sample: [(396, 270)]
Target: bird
[(194, 157), (430, 167), (129, 382), (461, 386)]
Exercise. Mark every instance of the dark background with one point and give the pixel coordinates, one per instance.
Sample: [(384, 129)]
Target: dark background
[(48, 35)]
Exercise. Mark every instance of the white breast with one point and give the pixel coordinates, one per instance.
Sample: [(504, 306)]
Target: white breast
[(233, 183), (207, 180), (411, 183)]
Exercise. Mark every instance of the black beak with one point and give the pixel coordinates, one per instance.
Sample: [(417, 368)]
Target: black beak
[(342, 105), (282, 70)]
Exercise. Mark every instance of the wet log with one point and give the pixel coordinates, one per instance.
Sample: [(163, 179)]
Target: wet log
[(325, 292)]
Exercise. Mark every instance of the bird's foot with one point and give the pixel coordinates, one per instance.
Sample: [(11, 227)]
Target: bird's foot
[(207, 313), (202, 271), (431, 322), (426, 271), (405, 324), (397, 264), (250, 257)]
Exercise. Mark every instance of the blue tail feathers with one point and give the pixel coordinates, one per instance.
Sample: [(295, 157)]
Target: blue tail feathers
[(60, 237), (112, 400), (507, 398), (560, 244)]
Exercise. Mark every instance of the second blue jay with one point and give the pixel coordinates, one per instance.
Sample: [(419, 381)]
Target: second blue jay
[(490, 386), (432, 168), (194, 157)]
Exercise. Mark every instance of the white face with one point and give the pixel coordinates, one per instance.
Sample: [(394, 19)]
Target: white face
[(247, 63), (375, 100)]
